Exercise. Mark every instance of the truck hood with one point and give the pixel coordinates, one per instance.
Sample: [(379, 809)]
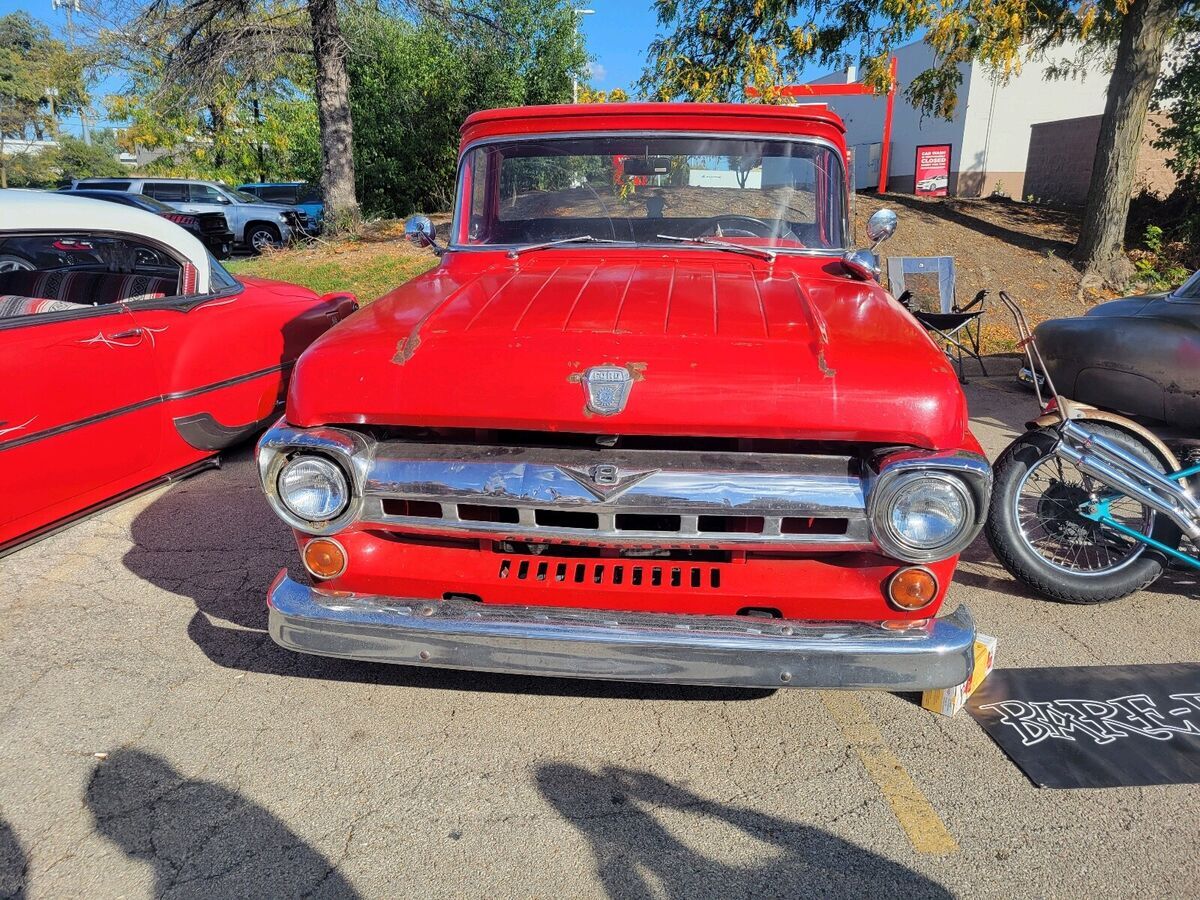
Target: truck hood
[(717, 345)]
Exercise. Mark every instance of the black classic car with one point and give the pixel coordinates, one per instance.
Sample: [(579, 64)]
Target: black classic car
[(1137, 355), (210, 227)]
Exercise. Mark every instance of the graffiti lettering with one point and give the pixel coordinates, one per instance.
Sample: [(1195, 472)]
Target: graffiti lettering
[(1104, 721)]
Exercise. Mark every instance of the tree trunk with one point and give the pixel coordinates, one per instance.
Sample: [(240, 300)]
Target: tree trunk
[(333, 114), (1101, 247)]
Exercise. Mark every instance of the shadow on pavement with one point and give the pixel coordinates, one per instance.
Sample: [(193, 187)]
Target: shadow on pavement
[(14, 864), (202, 839), (214, 540), (635, 854)]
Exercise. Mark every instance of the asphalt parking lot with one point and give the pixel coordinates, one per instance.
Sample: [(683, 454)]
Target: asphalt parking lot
[(155, 742)]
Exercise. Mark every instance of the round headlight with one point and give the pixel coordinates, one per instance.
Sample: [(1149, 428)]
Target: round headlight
[(313, 488), (924, 516), (928, 514)]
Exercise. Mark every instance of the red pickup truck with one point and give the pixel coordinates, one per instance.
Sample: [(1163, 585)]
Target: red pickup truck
[(651, 419)]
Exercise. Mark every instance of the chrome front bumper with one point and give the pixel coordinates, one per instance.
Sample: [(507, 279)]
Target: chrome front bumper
[(647, 647)]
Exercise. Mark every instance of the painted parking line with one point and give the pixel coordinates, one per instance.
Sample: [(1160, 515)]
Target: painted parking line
[(922, 825)]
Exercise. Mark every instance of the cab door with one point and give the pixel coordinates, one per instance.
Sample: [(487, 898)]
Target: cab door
[(80, 416)]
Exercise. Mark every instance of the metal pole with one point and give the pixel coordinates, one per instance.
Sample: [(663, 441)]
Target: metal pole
[(885, 151)]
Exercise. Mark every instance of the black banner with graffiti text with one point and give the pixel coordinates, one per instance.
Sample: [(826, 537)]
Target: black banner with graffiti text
[(1096, 726)]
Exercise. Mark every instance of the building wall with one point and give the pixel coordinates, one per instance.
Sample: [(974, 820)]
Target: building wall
[(1059, 165), (991, 128)]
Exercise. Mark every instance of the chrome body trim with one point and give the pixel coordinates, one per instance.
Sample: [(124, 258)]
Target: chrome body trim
[(668, 648)]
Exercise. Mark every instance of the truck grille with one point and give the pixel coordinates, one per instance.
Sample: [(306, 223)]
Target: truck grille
[(610, 573), (621, 498)]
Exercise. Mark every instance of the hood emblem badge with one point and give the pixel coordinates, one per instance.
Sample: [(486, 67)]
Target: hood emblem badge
[(607, 389), (606, 482)]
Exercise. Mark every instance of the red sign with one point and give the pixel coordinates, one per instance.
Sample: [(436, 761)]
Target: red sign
[(932, 172)]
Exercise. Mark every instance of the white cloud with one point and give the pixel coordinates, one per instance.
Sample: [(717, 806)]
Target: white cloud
[(596, 72)]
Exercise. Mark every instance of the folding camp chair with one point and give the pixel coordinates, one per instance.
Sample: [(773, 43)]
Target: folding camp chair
[(925, 284)]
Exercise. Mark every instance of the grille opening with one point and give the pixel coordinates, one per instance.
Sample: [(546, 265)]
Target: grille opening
[(732, 524), (646, 522), (557, 518), (417, 509), (621, 574), (760, 612), (799, 525), (469, 512)]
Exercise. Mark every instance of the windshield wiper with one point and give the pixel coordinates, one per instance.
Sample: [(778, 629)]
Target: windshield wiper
[(760, 252), (578, 239)]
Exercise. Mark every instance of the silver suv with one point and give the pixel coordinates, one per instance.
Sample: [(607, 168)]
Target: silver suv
[(255, 224)]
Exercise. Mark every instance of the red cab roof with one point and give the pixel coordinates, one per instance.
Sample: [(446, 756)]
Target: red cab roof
[(735, 118)]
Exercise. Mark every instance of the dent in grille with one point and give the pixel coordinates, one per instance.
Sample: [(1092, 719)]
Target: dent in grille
[(664, 498)]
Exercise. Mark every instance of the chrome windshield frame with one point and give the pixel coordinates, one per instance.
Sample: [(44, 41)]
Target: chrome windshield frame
[(845, 222)]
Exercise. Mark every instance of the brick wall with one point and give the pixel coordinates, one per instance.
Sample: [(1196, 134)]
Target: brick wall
[(1059, 166)]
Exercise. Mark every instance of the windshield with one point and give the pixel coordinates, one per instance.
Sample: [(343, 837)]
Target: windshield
[(785, 194), (242, 196), (1190, 289)]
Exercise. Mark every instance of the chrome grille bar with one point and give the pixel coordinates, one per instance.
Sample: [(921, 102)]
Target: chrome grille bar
[(619, 497)]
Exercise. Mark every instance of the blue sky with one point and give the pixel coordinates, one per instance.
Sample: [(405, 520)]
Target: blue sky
[(617, 33)]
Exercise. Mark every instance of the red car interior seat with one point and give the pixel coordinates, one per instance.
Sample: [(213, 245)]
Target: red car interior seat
[(85, 288), (12, 305)]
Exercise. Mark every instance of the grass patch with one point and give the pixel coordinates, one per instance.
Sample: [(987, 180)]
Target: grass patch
[(369, 268)]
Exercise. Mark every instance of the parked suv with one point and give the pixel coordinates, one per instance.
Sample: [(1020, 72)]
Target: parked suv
[(294, 193), (255, 223)]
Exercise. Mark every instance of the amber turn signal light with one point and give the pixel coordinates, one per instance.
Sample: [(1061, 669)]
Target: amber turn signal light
[(914, 587), (324, 558)]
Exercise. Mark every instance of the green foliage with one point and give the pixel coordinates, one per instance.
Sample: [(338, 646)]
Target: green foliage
[(68, 158), (414, 81), (1158, 267), (39, 79), (714, 49), (1178, 96)]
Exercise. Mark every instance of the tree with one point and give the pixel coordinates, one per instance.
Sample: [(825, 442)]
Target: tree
[(588, 94), (39, 78), (414, 79), (712, 49), (1178, 95), (206, 57)]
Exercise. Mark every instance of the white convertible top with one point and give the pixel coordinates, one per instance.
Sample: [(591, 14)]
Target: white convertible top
[(22, 210)]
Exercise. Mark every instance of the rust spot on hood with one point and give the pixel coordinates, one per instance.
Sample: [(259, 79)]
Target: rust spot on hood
[(406, 347)]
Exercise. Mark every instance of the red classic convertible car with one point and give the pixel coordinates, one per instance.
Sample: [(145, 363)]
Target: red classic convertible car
[(651, 418), (127, 354)]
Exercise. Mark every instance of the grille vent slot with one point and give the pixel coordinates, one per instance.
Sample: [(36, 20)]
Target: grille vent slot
[(610, 573)]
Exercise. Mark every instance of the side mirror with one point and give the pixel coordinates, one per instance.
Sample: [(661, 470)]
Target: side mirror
[(881, 226), (420, 231)]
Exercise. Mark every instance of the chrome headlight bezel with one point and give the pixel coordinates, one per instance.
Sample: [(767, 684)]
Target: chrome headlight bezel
[(345, 449), (967, 474)]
